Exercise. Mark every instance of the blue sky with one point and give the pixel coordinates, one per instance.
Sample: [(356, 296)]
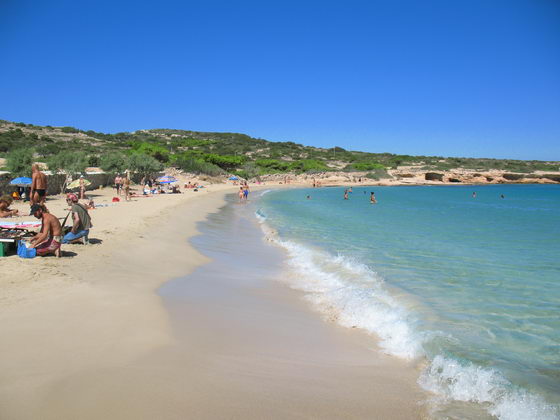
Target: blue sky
[(474, 78)]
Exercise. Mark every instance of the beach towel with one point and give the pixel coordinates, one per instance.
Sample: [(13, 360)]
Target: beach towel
[(20, 225)]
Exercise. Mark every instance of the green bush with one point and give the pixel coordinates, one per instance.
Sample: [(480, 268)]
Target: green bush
[(144, 164), (224, 161), (113, 163), (308, 165), (364, 166), (198, 166), (378, 174), (272, 165), (69, 130), (156, 151), (19, 162)]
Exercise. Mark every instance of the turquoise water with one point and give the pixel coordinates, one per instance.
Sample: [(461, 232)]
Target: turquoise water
[(470, 284)]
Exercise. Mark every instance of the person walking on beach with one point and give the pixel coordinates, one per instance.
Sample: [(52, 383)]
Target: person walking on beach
[(372, 199), (38, 191), (246, 192)]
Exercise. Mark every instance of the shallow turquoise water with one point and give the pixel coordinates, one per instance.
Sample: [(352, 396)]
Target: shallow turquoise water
[(472, 284)]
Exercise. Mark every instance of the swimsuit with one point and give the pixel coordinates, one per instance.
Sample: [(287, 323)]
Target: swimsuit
[(41, 192), (49, 246)]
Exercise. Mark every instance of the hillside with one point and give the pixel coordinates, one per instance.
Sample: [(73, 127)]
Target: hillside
[(219, 153)]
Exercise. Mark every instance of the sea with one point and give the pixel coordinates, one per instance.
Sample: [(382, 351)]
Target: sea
[(461, 280)]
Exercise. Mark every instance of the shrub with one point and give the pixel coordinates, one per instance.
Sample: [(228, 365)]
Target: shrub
[(378, 174), (197, 166), (143, 164), (308, 165), (224, 161), (272, 165), (19, 162), (114, 163)]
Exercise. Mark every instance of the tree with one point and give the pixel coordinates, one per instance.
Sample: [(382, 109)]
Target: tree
[(113, 163), (19, 162), (144, 164), (68, 163)]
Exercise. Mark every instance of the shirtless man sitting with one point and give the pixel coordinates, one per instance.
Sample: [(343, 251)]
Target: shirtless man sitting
[(38, 185), (5, 210), (48, 240)]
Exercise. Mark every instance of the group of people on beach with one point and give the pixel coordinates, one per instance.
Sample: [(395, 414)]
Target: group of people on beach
[(52, 233)]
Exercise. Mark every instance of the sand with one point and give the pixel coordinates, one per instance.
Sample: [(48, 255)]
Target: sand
[(87, 336)]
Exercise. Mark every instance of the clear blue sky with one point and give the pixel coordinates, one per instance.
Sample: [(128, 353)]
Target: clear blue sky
[(477, 78)]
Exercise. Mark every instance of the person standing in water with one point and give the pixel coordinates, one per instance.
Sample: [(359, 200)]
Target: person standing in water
[(346, 194), (474, 194), (372, 199)]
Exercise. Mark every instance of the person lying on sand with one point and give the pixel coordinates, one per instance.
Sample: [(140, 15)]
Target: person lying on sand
[(81, 219), (48, 240), (5, 203)]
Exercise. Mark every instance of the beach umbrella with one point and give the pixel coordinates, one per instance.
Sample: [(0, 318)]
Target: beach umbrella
[(76, 184), (167, 179), (233, 178), (21, 181)]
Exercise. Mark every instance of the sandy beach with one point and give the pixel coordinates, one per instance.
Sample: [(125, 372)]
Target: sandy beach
[(87, 336)]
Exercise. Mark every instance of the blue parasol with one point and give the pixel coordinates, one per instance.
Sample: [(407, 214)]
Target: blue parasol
[(167, 179), (21, 181), (233, 178)]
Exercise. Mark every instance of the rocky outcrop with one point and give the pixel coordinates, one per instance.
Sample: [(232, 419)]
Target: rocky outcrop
[(433, 176)]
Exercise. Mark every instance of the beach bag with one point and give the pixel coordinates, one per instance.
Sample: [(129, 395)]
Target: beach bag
[(25, 252)]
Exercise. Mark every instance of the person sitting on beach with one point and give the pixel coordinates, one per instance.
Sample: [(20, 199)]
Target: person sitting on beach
[(38, 192), (5, 203), (81, 219), (48, 240)]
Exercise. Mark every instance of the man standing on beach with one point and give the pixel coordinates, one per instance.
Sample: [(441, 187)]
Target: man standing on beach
[(38, 192), (48, 240)]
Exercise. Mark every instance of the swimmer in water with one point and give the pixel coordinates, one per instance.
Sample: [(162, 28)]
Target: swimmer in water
[(474, 195), (372, 199), (346, 194)]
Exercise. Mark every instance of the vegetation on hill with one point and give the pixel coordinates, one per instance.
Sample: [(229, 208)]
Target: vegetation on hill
[(69, 148)]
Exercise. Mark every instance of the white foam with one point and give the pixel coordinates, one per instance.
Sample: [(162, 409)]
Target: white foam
[(353, 295), (470, 383)]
